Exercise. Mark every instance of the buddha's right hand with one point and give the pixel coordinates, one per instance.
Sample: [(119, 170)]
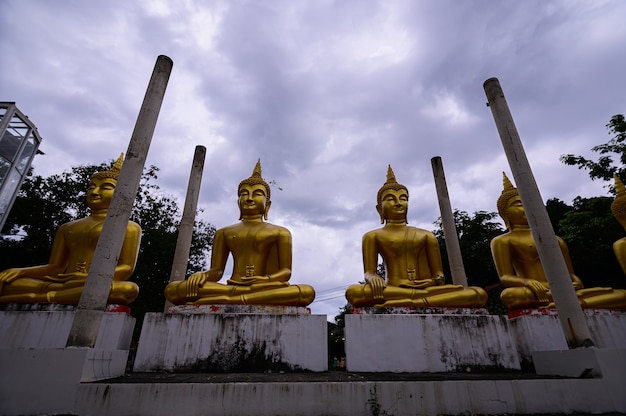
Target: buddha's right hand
[(7, 276), (377, 285), (540, 291), (194, 282)]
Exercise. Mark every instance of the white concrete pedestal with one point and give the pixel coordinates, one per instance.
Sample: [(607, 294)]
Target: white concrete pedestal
[(607, 364), (232, 342), (428, 343), (38, 375), (48, 326), (45, 381), (540, 330)]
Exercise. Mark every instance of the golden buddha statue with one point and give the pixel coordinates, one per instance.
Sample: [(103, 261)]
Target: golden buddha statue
[(261, 256), (414, 272), (63, 278), (618, 208), (519, 266)]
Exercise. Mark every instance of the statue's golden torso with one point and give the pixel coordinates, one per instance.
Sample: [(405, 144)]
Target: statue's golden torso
[(403, 249), (523, 253), (81, 237), (254, 248)]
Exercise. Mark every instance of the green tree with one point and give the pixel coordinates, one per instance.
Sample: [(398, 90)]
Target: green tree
[(556, 211), (605, 166), (475, 234), (336, 334), (589, 230), (44, 204)]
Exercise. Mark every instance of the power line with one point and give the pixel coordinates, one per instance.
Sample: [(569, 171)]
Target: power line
[(329, 296), (334, 289)]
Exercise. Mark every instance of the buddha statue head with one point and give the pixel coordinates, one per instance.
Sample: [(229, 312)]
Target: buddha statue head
[(390, 185), (102, 186), (255, 180), (618, 207), (507, 197)]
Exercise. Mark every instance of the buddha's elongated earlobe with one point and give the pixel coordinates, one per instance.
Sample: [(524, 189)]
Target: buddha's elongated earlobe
[(380, 212), (267, 208)]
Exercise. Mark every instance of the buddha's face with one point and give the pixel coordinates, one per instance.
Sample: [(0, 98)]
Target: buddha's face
[(252, 199), (515, 212), (394, 204), (100, 193)]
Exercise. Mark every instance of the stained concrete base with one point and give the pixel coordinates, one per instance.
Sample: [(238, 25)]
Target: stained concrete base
[(45, 381), (540, 330), (421, 397), (55, 386), (606, 363), (48, 326), (428, 343), (223, 342), (38, 375)]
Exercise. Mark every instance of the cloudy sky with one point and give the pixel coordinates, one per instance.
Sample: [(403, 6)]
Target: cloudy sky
[(327, 94)]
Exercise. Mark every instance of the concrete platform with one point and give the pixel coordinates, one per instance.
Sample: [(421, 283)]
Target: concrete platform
[(408, 340), (48, 326), (59, 385), (232, 342), (607, 328), (346, 393), (45, 381), (38, 374)]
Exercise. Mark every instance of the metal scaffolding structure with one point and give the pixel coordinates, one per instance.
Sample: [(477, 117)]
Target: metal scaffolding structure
[(19, 142)]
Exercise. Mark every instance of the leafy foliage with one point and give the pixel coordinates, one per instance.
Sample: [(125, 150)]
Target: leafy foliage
[(44, 204), (475, 234), (336, 334), (604, 167), (589, 230), (588, 227)]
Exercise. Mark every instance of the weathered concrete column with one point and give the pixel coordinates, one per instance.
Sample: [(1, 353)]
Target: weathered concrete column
[(185, 229), (570, 312), (93, 299), (449, 228)]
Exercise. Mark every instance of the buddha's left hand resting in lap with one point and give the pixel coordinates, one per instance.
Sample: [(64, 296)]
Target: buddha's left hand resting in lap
[(414, 273), (63, 278), (261, 259)]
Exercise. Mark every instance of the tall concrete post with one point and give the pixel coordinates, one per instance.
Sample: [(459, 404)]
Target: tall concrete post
[(449, 228), (93, 299), (185, 229), (570, 312)]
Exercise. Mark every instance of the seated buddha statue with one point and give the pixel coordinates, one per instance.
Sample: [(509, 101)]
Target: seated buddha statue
[(261, 259), (618, 208), (414, 272), (63, 278), (518, 264)]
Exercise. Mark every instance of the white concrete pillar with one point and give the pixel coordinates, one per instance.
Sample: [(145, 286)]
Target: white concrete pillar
[(185, 229), (570, 312), (449, 228), (95, 294)]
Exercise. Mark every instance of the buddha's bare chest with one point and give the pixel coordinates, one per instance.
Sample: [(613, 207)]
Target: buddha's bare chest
[(400, 243), (83, 235), (524, 248), (255, 239)]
